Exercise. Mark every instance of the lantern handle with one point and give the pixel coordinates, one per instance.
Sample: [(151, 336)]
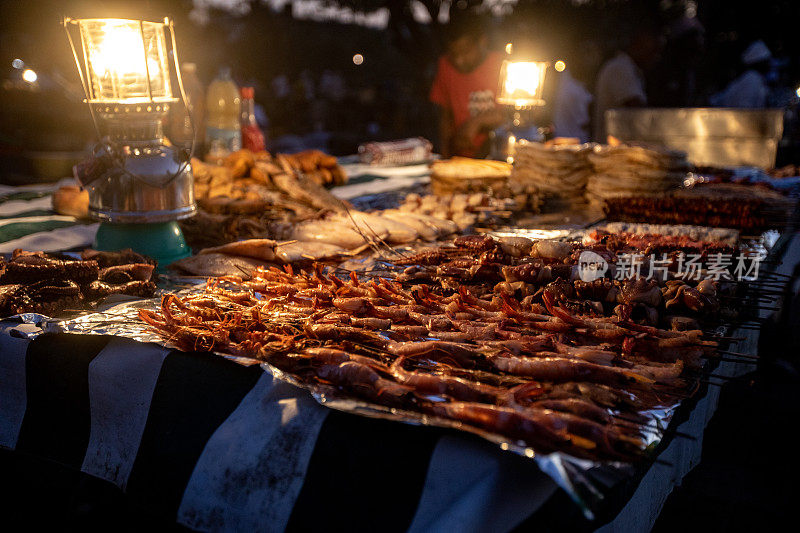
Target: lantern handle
[(65, 22), (168, 22)]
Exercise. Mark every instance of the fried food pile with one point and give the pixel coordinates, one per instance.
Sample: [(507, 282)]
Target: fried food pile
[(498, 335), (244, 169), (51, 284), (241, 198)]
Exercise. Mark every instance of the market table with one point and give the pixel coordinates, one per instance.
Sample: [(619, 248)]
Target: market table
[(214, 445)]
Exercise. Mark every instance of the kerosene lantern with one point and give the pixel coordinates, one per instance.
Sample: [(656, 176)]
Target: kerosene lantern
[(520, 93), (139, 187)]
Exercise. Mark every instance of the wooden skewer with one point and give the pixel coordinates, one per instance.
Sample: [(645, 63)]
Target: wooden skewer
[(776, 274), (762, 307), (748, 321), (722, 338), (730, 360), (725, 378), (757, 293), (731, 356), (751, 297), (768, 284), (772, 283), (738, 354)]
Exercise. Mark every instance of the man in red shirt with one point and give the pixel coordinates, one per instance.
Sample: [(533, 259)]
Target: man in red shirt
[(465, 88)]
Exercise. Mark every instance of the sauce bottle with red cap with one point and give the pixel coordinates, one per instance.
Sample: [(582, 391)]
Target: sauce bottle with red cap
[(252, 136)]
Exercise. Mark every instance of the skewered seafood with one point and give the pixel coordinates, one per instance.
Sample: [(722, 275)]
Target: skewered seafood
[(725, 206), (29, 267), (37, 282), (527, 361), (263, 249)]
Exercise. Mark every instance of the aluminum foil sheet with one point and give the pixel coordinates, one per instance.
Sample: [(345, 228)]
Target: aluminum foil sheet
[(584, 480)]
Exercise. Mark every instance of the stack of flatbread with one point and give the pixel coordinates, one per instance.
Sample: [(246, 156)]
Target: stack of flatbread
[(466, 175), (451, 179), (557, 172), (627, 170)]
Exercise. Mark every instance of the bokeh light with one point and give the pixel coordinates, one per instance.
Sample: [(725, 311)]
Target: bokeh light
[(358, 59), (559, 66), (29, 75)]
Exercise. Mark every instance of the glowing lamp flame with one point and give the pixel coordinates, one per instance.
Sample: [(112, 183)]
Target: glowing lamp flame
[(125, 60), (120, 52), (521, 83)]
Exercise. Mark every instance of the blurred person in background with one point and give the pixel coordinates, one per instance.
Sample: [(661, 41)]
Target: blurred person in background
[(621, 79), (465, 87), (573, 99), (750, 89)]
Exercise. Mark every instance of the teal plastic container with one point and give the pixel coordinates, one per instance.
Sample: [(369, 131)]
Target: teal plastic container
[(163, 241)]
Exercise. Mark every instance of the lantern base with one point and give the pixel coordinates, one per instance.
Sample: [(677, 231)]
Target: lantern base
[(163, 241)]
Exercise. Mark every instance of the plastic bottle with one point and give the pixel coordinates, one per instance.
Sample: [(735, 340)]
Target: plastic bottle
[(180, 126), (223, 105), (252, 136)]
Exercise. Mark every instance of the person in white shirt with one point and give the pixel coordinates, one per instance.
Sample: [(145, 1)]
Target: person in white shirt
[(571, 109), (750, 89), (571, 106), (621, 79)]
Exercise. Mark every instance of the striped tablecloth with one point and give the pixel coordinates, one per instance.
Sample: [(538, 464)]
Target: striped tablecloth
[(216, 446), (27, 221)]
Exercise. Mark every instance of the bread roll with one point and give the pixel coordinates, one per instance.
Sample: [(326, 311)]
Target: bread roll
[(72, 201)]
